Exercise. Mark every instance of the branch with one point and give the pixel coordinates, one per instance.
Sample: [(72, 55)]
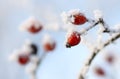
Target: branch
[(106, 27), (88, 28), (96, 51), (33, 74)]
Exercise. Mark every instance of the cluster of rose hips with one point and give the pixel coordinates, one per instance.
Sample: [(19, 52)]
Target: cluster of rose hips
[(24, 58), (30, 50), (33, 26), (74, 17)]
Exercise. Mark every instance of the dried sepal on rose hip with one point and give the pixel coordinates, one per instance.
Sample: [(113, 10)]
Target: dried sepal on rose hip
[(48, 43), (73, 38), (34, 49), (74, 16), (31, 25), (30, 47), (99, 71)]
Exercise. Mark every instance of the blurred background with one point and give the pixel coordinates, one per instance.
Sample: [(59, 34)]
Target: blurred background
[(62, 63)]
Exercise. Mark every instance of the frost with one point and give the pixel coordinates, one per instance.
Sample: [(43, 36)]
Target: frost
[(65, 17), (68, 17), (70, 32), (47, 39), (34, 59), (14, 55), (31, 68), (84, 70), (74, 12), (98, 14), (52, 26), (32, 76), (68, 27), (27, 47), (117, 27), (29, 22)]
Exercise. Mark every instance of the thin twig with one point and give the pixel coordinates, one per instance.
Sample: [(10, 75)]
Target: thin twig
[(97, 50), (88, 28), (39, 63)]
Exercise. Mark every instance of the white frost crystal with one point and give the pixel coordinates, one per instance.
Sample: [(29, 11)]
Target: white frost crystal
[(28, 23), (31, 68), (117, 27), (47, 39), (14, 55), (54, 26), (98, 14), (27, 46), (67, 17), (35, 59)]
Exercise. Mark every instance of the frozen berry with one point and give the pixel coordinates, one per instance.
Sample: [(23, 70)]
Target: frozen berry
[(110, 58), (79, 19), (73, 39), (34, 29), (99, 71), (31, 25), (49, 46), (23, 59)]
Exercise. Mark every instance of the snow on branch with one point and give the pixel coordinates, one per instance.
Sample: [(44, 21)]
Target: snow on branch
[(96, 51)]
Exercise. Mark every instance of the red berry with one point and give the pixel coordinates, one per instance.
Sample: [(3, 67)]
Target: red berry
[(49, 46), (73, 39), (110, 58), (79, 19), (34, 29), (23, 59), (99, 71)]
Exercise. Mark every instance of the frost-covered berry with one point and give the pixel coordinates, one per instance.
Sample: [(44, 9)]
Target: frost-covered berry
[(75, 17), (33, 29), (79, 19), (99, 71), (31, 25), (23, 59), (49, 46), (48, 43), (73, 38)]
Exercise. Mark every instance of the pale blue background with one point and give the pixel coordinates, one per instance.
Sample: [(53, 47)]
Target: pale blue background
[(62, 63)]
